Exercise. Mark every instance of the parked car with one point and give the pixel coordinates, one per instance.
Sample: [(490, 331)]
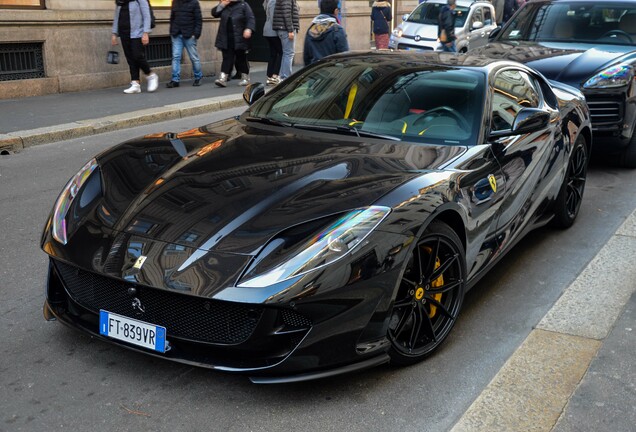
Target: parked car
[(590, 45), (333, 226), (418, 30)]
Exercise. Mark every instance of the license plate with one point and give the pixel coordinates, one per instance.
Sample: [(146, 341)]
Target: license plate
[(132, 331)]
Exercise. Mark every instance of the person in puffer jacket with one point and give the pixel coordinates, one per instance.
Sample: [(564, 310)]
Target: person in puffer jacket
[(325, 36)]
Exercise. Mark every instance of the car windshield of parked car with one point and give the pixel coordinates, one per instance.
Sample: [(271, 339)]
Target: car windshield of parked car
[(388, 99), (582, 22), (427, 13)]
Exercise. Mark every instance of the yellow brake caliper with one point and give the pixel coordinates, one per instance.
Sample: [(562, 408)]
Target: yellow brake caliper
[(419, 293)]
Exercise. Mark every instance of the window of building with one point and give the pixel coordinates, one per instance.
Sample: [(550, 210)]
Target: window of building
[(21, 4)]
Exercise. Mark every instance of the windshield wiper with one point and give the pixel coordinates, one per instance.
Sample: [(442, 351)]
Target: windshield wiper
[(345, 128), (268, 121)]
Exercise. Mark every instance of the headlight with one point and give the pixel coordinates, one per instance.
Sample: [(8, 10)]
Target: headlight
[(323, 248), (397, 32), (615, 76), (66, 198)]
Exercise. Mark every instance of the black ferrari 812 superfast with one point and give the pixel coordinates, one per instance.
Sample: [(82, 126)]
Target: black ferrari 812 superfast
[(335, 225)]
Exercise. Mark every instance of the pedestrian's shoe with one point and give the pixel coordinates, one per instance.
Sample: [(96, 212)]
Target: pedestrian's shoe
[(245, 80), (172, 84), (273, 80), (134, 88), (153, 82), (197, 82), (221, 81)]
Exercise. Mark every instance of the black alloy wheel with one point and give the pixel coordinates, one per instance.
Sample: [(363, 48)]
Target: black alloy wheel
[(429, 297), (568, 202)]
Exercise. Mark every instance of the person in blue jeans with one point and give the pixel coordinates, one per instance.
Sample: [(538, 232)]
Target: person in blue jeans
[(185, 28), (446, 27), (286, 23)]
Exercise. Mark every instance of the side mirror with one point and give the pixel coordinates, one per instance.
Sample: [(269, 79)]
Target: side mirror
[(477, 25), (253, 92), (494, 33), (527, 120), (405, 17)]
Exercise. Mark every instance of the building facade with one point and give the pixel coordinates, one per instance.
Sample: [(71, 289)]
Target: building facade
[(56, 46)]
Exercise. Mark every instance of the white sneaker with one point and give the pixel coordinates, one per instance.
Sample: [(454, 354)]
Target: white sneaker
[(153, 82), (134, 88)]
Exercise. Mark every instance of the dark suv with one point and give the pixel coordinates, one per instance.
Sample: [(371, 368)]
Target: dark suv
[(590, 45)]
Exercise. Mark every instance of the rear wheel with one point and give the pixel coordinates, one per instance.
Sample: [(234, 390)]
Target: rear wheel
[(568, 202), (429, 297)]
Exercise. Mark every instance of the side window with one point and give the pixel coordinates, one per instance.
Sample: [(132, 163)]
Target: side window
[(513, 91), (477, 16), (487, 16)]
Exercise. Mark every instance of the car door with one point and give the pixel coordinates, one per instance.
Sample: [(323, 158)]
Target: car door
[(527, 160), (476, 36)]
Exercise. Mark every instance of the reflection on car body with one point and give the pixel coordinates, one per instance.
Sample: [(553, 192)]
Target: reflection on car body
[(335, 225)]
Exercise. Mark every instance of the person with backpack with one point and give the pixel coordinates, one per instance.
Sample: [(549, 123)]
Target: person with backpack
[(132, 24), (185, 29), (233, 38), (325, 36)]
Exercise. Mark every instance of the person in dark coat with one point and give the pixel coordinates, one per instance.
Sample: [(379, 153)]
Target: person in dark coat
[(233, 38), (381, 18), (325, 36), (185, 29), (510, 7), (446, 27), (286, 23)]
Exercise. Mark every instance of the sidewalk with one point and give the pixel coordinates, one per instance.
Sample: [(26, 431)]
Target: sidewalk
[(576, 371), (44, 119)]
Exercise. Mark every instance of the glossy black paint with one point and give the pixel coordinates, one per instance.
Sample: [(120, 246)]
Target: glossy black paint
[(573, 63), (202, 205)]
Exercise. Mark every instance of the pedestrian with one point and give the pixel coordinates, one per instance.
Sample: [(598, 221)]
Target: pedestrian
[(381, 18), (499, 10), (286, 23), (132, 25), (275, 45), (510, 7), (233, 38), (446, 27), (325, 36), (185, 29)]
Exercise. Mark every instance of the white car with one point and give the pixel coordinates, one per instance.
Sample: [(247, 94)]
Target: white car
[(418, 30)]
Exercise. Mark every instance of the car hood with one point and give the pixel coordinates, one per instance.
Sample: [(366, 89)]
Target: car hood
[(570, 63), (424, 31), (229, 187)]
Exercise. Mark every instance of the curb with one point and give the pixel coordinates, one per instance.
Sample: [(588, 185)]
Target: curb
[(533, 388), (16, 141)]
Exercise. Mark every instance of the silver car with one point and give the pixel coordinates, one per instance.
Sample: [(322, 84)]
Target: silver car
[(418, 30)]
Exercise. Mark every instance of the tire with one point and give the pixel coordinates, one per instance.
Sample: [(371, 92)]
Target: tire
[(568, 202), (429, 297), (628, 157)]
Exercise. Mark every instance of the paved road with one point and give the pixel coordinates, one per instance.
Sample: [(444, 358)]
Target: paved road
[(52, 377)]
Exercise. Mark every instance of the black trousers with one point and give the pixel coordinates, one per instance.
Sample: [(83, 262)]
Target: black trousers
[(135, 56), (275, 55), (234, 58)]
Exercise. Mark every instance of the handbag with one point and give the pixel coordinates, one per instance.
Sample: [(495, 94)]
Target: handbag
[(112, 57), (443, 38)]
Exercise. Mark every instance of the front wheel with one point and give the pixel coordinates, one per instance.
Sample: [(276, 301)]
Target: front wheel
[(429, 297), (568, 202), (628, 157)]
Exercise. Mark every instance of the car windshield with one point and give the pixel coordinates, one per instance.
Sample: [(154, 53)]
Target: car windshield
[(389, 99), (598, 23), (427, 13)]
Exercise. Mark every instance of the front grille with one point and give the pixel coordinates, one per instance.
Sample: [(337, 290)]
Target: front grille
[(605, 112), (414, 47), (187, 317)]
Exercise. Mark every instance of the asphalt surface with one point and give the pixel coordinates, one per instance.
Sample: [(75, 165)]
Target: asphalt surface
[(576, 371)]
